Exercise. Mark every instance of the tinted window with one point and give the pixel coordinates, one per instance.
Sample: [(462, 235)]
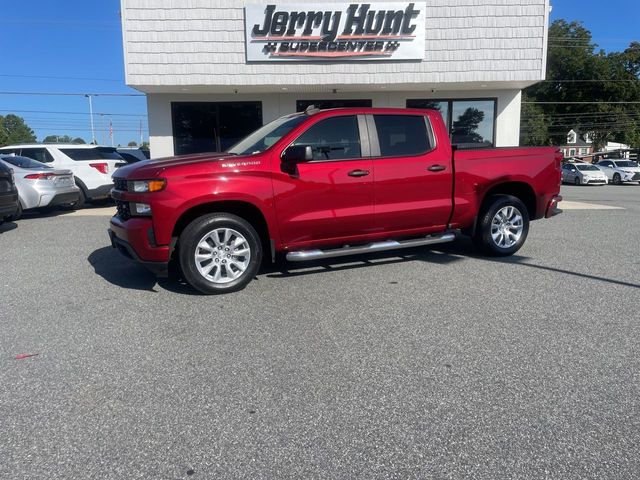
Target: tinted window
[(39, 154), (24, 162), (334, 138), (471, 123), (605, 164), (402, 135), (212, 126), (98, 153)]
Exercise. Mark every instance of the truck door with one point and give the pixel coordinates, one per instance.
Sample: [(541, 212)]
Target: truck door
[(329, 197), (413, 174)]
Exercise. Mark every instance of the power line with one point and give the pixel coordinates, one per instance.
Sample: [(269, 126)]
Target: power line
[(581, 103), (53, 94), (77, 113), (60, 78)]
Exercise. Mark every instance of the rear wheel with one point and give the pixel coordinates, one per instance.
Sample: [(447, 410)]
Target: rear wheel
[(617, 179), (503, 226), (17, 215), (219, 253), (80, 203)]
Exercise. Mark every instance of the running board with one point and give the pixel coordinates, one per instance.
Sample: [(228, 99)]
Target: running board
[(307, 255)]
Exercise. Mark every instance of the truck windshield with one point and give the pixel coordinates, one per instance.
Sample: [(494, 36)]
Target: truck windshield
[(266, 136)]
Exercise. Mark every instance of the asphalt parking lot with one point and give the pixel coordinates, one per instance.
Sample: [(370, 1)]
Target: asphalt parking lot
[(413, 364)]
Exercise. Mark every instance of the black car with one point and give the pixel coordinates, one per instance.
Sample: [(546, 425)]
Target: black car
[(8, 194), (133, 155)]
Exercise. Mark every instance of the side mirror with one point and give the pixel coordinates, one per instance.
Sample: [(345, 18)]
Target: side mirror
[(297, 154)]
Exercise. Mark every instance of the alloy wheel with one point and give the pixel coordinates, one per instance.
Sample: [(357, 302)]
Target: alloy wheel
[(507, 227), (222, 255)]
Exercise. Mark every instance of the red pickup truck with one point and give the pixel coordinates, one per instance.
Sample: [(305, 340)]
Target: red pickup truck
[(323, 184)]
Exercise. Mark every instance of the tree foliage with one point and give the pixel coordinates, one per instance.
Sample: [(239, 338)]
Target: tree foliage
[(63, 139), (13, 129), (576, 72), (132, 143)]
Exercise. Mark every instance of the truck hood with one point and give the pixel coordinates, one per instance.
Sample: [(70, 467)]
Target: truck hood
[(154, 167)]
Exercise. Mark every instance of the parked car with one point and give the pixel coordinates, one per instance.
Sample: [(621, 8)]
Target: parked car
[(39, 185), (324, 184), (133, 155), (620, 171), (8, 194), (582, 173), (92, 165)]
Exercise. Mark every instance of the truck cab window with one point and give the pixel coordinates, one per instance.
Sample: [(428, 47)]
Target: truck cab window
[(402, 135), (334, 138)]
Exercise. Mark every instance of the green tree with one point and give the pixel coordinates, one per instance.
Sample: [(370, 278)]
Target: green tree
[(78, 141), (576, 72), (13, 129), (57, 139), (132, 143)]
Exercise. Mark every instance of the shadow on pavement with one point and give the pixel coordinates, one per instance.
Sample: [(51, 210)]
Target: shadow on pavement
[(7, 227), (117, 270)]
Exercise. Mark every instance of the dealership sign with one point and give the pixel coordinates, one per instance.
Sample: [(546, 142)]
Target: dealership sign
[(340, 32)]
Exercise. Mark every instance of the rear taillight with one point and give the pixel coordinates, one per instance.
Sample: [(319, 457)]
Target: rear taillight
[(40, 176), (101, 167), (559, 156)]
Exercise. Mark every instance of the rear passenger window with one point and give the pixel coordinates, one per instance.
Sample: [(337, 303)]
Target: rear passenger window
[(97, 153), (39, 154), (402, 135), (336, 138)]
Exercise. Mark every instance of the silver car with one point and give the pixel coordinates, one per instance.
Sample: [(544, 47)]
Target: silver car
[(582, 173), (40, 185)]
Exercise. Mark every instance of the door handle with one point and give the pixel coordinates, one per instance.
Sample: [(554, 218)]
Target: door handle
[(436, 168), (358, 173)]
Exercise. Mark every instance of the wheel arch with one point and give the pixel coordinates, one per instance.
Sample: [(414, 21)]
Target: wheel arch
[(521, 190), (243, 209)]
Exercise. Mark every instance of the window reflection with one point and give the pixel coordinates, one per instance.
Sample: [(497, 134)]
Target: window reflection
[(471, 123)]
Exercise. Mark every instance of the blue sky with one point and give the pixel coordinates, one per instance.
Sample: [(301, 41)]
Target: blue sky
[(80, 42)]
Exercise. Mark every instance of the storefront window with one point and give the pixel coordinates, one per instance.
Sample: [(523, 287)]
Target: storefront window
[(471, 123), (212, 127), (302, 105)]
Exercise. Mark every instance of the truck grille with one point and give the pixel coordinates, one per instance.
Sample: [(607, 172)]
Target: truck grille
[(120, 184), (123, 210), (5, 186)]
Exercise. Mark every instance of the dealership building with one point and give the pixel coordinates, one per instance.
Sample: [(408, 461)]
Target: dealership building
[(215, 70)]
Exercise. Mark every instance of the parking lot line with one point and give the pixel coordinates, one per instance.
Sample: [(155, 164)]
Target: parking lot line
[(565, 205)]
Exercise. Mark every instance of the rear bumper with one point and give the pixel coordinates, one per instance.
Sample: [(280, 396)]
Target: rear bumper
[(103, 191), (134, 238), (552, 208), (8, 204)]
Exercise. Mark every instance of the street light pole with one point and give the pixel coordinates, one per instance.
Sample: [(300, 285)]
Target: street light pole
[(93, 133)]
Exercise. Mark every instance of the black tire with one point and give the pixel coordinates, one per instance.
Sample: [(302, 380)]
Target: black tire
[(82, 200), (617, 179), (483, 238), (18, 215), (577, 181), (196, 231)]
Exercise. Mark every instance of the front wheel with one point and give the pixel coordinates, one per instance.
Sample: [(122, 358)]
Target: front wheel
[(577, 181), (617, 179), (503, 226), (219, 253)]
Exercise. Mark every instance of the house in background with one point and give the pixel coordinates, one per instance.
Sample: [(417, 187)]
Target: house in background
[(578, 145)]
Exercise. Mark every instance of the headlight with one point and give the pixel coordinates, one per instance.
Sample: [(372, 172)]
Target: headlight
[(144, 186), (140, 208)]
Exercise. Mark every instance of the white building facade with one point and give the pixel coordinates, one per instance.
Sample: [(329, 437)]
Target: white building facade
[(214, 70)]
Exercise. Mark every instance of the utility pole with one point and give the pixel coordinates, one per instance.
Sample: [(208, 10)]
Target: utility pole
[(141, 138), (93, 133)]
